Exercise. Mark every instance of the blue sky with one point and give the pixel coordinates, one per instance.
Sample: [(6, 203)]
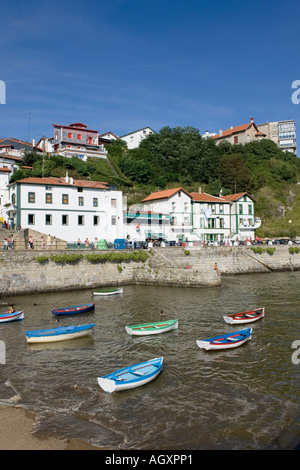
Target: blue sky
[(125, 64)]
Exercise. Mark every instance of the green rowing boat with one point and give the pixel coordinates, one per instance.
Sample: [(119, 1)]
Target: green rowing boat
[(152, 328)]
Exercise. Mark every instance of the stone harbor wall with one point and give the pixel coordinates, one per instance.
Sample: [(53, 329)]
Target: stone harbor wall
[(23, 272)]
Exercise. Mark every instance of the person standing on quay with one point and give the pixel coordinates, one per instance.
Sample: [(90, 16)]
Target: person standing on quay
[(49, 241), (30, 242)]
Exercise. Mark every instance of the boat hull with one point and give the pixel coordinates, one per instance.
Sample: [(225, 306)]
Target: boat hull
[(58, 334), (108, 292), (6, 317), (74, 309), (245, 317), (131, 377), (151, 328), (227, 341)]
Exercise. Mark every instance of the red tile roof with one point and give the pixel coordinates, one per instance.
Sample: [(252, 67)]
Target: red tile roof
[(61, 181), (233, 130), (164, 194), (235, 197), (203, 197), (81, 127)]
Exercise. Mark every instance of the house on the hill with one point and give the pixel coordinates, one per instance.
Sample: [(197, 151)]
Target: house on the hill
[(133, 139), (242, 134), (77, 140)]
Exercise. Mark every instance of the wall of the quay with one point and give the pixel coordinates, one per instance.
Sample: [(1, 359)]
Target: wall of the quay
[(21, 273)]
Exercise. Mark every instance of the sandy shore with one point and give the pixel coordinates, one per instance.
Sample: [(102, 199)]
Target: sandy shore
[(16, 426)]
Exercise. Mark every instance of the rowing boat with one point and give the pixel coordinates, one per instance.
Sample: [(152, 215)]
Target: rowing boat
[(119, 290), (75, 309), (12, 316), (226, 341), (61, 333), (245, 317), (152, 328), (132, 376)]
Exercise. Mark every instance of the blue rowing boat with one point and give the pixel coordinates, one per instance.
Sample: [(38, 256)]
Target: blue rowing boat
[(226, 341), (132, 376), (58, 334), (75, 309), (12, 316)]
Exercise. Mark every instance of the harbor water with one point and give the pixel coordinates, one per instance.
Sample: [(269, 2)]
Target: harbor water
[(243, 398)]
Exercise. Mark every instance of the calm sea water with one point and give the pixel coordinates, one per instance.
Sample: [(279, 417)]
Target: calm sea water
[(244, 398)]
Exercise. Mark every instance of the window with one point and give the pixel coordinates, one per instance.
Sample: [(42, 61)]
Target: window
[(240, 209), (113, 203), (80, 201), (65, 199), (70, 135), (13, 198), (48, 219), (95, 202), (222, 225), (64, 220), (89, 140), (221, 208), (30, 219), (48, 198), (235, 139), (173, 206), (96, 219), (250, 209), (79, 190), (79, 136), (113, 220), (31, 197), (186, 206), (81, 220), (211, 223)]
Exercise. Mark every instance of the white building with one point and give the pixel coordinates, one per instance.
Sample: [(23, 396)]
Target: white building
[(66, 208), (133, 139), (177, 203), (4, 193), (200, 216), (243, 222), (211, 217), (283, 133), (109, 136)]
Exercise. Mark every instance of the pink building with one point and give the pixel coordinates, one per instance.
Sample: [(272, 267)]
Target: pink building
[(77, 140)]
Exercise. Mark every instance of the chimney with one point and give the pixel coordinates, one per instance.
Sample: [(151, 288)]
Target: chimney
[(67, 177), (251, 120), (199, 190), (220, 133), (71, 181)]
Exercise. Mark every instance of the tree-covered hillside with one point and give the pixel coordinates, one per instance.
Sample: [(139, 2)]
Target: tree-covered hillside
[(181, 157)]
